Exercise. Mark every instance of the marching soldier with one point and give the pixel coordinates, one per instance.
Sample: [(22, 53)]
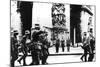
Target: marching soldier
[(45, 45), (38, 47), (91, 46), (68, 44), (35, 46), (85, 47), (24, 47), (14, 47)]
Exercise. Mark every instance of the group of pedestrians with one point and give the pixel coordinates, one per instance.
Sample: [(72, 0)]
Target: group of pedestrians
[(62, 42), (37, 46), (88, 47)]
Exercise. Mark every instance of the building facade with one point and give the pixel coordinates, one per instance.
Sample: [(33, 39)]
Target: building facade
[(59, 20)]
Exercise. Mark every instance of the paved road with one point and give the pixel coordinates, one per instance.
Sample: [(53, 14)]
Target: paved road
[(58, 58)]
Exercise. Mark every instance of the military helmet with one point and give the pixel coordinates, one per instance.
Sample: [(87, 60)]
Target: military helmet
[(85, 33), (15, 32), (27, 32)]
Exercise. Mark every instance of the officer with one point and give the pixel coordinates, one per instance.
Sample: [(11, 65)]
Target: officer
[(85, 47), (14, 47), (24, 47)]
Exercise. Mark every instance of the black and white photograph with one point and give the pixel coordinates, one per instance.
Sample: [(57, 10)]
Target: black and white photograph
[(48, 33)]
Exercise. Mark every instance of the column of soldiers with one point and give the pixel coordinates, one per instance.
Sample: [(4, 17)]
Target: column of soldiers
[(37, 46), (62, 42)]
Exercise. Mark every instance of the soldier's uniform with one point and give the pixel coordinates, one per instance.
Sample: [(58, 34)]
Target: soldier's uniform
[(68, 44), (39, 49), (92, 47), (24, 47), (14, 48), (45, 52), (35, 48), (62, 45), (57, 45), (85, 47)]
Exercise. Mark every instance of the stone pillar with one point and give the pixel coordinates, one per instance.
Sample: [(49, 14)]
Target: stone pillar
[(41, 14), (67, 13), (15, 18)]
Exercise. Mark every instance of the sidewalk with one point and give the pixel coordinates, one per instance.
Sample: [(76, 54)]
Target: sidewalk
[(73, 51)]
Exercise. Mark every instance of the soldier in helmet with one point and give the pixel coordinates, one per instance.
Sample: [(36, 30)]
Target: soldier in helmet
[(91, 46), (24, 47), (35, 45), (85, 47), (45, 45), (14, 47)]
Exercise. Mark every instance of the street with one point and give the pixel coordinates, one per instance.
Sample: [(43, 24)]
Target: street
[(59, 58)]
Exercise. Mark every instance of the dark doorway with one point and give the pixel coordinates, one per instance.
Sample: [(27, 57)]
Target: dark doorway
[(25, 9), (75, 14)]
